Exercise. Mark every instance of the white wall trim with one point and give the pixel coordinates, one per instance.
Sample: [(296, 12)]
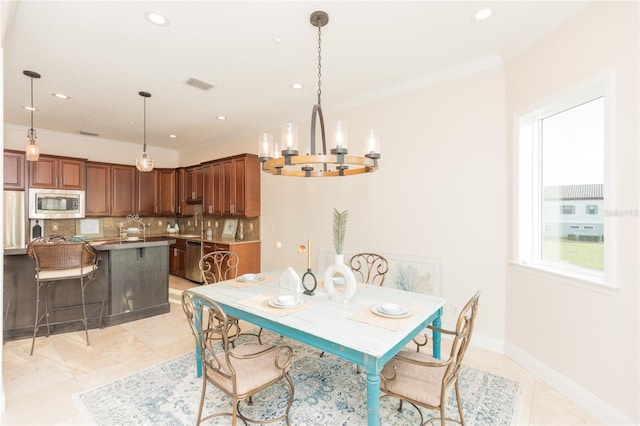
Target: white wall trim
[(585, 399)]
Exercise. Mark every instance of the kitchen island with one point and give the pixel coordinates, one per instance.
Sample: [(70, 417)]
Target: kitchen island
[(132, 278)]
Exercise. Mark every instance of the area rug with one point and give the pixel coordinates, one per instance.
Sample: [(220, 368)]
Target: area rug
[(328, 392)]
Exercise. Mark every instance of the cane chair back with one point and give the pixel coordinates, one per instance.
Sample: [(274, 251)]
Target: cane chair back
[(370, 268), (240, 371), (219, 266), (57, 259), (422, 380)]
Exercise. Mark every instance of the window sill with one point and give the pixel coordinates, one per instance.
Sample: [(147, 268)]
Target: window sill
[(592, 281)]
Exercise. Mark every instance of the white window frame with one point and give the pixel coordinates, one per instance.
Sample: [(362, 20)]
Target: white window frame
[(527, 186)]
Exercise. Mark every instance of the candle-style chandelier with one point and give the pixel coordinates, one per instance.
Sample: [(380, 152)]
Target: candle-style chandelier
[(287, 162)]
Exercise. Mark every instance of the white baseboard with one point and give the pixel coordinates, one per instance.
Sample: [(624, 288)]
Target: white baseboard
[(585, 399)]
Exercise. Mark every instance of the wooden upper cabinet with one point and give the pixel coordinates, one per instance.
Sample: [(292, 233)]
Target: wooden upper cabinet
[(147, 192), (167, 199), (182, 207), (14, 170), (194, 185), (155, 192), (241, 186), (98, 194), (123, 190), (57, 172)]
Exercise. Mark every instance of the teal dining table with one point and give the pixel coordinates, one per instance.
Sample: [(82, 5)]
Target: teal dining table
[(351, 331)]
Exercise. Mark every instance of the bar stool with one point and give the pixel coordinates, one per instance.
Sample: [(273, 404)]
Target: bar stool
[(58, 259)]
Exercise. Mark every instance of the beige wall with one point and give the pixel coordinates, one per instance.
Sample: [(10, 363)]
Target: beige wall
[(569, 333)]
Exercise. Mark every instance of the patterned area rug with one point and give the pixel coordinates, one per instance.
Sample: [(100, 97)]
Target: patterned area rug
[(328, 392)]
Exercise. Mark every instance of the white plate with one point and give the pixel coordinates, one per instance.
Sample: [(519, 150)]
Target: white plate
[(132, 238), (376, 309), (133, 230), (276, 303), (250, 278)]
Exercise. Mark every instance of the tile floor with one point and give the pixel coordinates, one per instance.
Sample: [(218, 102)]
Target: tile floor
[(38, 388)]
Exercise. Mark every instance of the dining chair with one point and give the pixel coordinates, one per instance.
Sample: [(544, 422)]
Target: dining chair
[(241, 371), (222, 265), (370, 268), (422, 380), (58, 259)]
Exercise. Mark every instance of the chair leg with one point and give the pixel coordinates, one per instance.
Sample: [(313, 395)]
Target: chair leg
[(84, 310), (204, 390), (459, 404), (35, 321)]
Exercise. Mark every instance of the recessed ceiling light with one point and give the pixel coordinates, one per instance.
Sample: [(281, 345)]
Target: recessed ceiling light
[(221, 117), (483, 14), (156, 18), (297, 86), (60, 96), (172, 136), (28, 108), (276, 40)]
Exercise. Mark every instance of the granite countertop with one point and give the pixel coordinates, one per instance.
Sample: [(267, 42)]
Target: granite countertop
[(111, 244), (195, 237)]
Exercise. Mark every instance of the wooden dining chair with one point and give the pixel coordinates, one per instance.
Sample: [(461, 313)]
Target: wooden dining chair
[(370, 268), (240, 371), (422, 380), (222, 265)]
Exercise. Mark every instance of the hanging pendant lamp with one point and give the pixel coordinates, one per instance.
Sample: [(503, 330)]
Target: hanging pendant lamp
[(144, 162), (32, 151), (287, 162)]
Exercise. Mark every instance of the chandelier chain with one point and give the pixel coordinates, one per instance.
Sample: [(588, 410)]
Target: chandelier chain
[(319, 61), (31, 103)]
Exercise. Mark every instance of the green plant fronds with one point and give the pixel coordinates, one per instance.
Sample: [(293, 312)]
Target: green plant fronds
[(339, 229)]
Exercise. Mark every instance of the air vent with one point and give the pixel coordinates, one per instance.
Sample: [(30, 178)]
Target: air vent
[(82, 132), (203, 85)]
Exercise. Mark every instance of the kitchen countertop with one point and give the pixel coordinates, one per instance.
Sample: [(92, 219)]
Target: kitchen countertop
[(117, 244), (195, 237)]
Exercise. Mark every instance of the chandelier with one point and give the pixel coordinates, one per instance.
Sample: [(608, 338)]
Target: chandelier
[(287, 162), (32, 150), (144, 162)]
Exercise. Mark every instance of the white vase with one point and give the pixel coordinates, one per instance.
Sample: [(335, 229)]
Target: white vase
[(341, 295), (290, 281)]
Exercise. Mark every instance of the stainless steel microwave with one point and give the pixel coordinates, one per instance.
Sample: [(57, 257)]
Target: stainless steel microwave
[(56, 203)]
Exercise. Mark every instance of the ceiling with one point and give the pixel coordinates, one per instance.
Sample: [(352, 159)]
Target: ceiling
[(102, 53)]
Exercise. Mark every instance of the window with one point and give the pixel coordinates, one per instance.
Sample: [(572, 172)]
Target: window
[(560, 180)]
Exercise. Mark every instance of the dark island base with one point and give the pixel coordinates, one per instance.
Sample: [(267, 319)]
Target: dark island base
[(132, 279)]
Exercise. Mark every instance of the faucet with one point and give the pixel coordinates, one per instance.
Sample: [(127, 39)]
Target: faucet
[(195, 219)]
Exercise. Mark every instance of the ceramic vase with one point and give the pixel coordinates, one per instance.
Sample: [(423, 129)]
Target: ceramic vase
[(343, 294), (290, 280)]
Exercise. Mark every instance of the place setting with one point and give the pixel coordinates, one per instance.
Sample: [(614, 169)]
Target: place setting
[(280, 305), (248, 280), (392, 316)]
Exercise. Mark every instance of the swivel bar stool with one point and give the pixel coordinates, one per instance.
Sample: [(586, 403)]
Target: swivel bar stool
[(58, 259)]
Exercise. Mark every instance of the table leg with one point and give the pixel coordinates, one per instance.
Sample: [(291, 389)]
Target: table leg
[(437, 336), (373, 399)]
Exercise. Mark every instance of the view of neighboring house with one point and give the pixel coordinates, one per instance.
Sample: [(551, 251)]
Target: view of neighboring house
[(574, 212)]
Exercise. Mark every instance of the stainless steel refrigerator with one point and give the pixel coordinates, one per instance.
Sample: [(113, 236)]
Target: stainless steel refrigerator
[(14, 219)]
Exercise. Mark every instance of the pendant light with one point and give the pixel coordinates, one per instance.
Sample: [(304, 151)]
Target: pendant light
[(32, 150), (287, 162), (144, 162)]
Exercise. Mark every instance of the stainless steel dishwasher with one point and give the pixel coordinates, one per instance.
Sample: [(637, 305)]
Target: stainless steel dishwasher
[(194, 253)]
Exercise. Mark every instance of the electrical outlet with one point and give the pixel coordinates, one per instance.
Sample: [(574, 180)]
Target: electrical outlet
[(455, 309)]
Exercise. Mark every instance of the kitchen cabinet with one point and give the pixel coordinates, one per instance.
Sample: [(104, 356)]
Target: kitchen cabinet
[(14, 170), (123, 190), (57, 172), (193, 185), (232, 186), (248, 254), (156, 192), (177, 258), (182, 207), (98, 193)]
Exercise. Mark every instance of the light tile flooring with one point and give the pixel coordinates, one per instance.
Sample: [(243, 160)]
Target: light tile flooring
[(38, 388)]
